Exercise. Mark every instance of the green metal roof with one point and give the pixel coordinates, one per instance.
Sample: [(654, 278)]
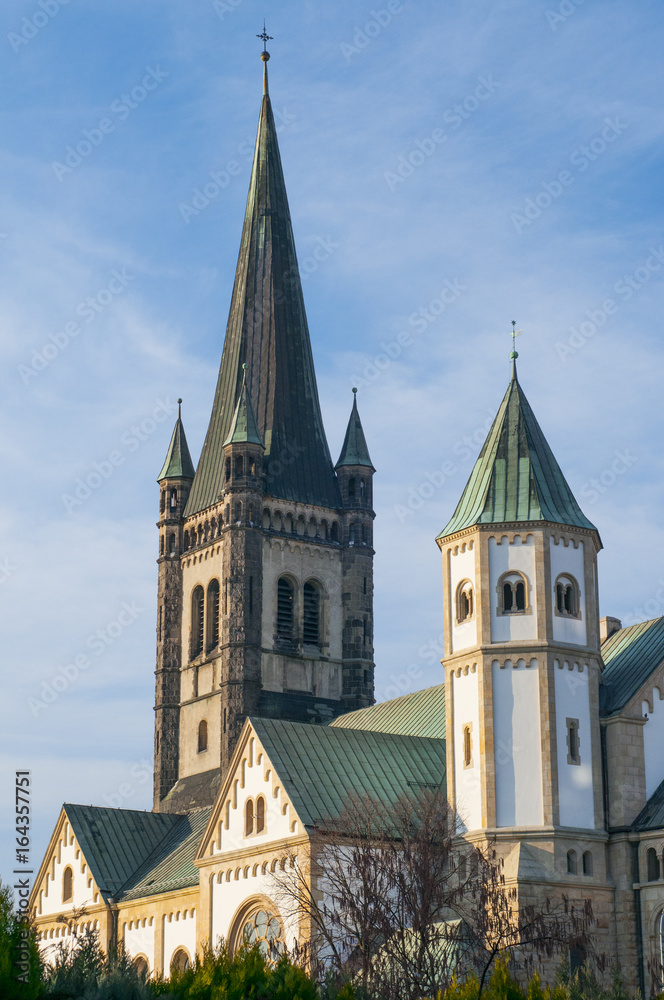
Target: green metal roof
[(267, 330), (171, 866), (354, 450), (651, 816), (243, 427), (322, 767), (178, 464), (419, 714), (516, 477), (115, 842), (630, 656)]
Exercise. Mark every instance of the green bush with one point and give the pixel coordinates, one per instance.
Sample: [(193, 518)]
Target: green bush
[(243, 976), (17, 944)]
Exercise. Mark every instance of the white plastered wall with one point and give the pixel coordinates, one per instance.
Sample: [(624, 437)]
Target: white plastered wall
[(179, 932), (505, 557), (467, 780), (517, 743), (566, 558), (462, 567), (138, 939), (575, 781), (653, 741), (67, 854), (245, 885)]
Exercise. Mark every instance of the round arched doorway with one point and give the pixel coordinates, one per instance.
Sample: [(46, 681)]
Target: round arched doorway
[(258, 923)]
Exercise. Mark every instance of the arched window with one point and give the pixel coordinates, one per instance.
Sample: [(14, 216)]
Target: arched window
[(363, 489), (67, 885), (285, 601), (334, 531), (141, 965), (252, 466), (185, 543), (239, 465), (228, 469), (573, 741), (311, 615), (512, 594), (464, 603), (174, 499), (468, 745), (587, 861), (197, 619), (180, 961), (652, 865), (352, 533), (351, 486), (260, 814), (212, 615), (365, 535), (567, 597), (162, 501), (261, 926), (572, 865), (248, 817), (171, 544), (202, 736), (238, 511), (660, 922), (161, 545)]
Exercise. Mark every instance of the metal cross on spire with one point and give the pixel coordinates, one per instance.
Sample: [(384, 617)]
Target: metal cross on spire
[(514, 333), (265, 38)]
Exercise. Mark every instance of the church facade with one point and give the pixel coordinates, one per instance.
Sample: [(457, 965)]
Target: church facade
[(548, 728)]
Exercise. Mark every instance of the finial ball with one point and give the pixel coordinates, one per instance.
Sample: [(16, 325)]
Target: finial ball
[(514, 355), (179, 401), (354, 389), (265, 55)]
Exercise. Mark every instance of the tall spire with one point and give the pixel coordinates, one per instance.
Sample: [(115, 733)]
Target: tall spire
[(267, 328), (178, 464), (354, 450)]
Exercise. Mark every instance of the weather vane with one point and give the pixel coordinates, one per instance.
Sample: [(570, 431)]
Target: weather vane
[(514, 334), (265, 38)]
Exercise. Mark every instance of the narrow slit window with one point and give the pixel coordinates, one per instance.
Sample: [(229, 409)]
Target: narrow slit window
[(652, 865), (468, 745), (572, 867), (202, 736), (260, 814), (311, 615), (67, 885), (587, 862), (285, 601), (213, 615), (197, 621), (573, 742), (248, 818)]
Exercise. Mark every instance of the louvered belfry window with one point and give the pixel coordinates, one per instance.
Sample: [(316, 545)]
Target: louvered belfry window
[(213, 615), (285, 600), (311, 615), (197, 621)]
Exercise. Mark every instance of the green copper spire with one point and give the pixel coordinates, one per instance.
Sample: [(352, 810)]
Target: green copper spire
[(516, 477), (354, 450), (243, 425), (178, 464), (267, 329)]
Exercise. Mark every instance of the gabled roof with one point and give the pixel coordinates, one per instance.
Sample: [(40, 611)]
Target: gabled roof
[(115, 842), (323, 767), (354, 450), (243, 429), (171, 865), (630, 655), (267, 329), (419, 714), (651, 816), (516, 477), (178, 464)]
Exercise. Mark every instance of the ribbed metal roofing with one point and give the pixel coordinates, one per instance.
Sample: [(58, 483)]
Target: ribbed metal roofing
[(267, 329), (178, 464), (516, 477), (630, 656), (323, 768), (421, 713), (651, 816), (115, 842), (354, 450), (171, 866)]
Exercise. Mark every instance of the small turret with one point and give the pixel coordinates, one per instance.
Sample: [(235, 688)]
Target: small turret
[(243, 457), (355, 468)]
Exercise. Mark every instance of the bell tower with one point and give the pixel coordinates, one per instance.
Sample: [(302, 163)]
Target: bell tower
[(269, 583)]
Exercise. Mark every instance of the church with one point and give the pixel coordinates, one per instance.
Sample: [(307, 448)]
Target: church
[(547, 729)]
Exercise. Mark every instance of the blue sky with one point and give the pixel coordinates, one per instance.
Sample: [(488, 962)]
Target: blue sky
[(455, 166)]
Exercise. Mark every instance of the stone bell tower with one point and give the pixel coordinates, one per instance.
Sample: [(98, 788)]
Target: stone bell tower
[(267, 567)]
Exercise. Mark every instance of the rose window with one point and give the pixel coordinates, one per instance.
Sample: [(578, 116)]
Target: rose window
[(264, 929)]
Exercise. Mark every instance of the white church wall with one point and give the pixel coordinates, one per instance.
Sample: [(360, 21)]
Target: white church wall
[(68, 854), (247, 884), (569, 560), (653, 741), (467, 782), (517, 743), (575, 781), (138, 939), (462, 567), (504, 557), (179, 932)]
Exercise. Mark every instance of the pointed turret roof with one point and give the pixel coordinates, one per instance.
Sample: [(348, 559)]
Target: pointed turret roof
[(243, 428), (267, 329), (516, 477), (354, 450), (178, 464)]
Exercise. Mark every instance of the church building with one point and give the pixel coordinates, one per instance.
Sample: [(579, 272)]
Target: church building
[(547, 729)]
